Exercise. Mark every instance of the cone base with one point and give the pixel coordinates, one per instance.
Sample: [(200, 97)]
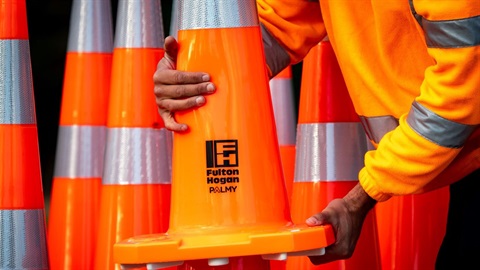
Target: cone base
[(156, 248)]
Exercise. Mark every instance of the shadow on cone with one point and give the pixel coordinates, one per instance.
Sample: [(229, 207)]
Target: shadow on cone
[(331, 145), (410, 230), (136, 183), (74, 212), (22, 208), (228, 194)]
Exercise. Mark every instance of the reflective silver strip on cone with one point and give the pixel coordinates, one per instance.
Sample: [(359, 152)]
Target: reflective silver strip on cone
[(23, 239), (91, 28), (16, 86), (174, 20), (138, 156), (201, 14), (139, 24), (283, 106), (80, 152), (329, 152)]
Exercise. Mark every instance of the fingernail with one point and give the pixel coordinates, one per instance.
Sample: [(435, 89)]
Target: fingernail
[(206, 78), (210, 88), (311, 221), (200, 100)]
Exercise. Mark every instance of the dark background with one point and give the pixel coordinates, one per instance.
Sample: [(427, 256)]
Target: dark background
[(48, 23)]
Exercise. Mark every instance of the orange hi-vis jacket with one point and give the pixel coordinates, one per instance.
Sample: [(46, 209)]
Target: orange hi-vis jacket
[(413, 72)]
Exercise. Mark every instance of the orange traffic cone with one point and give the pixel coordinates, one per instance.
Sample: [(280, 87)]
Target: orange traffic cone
[(74, 212), (331, 144), (410, 230), (228, 194), (136, 183), (284, 110), (22, 208)]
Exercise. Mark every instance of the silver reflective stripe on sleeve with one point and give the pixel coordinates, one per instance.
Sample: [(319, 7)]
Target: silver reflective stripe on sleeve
[(91, 27), (437, 129), (457, 33), (329, 152), (139, 24), (284, 111), (202, 14), (138, 156), (22, 239), (16, 90), (275, 55), (376, 127), (80, 152)]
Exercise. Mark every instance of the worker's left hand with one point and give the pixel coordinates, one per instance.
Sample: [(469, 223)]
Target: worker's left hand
[(346, 216)]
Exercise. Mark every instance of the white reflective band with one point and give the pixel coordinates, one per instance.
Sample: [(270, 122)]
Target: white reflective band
[(201, 14), (91, 28), (284, 110), (23, 239), (138, 156), (329, 152), (139, 24), (80, 152), (16, 90)]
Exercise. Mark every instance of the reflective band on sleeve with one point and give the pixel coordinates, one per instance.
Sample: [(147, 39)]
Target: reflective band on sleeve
[(329, 152), (80, 152), (437, 129), (16, 89), (139, 24), (23, 239), (275, 55), (201, 14), (377, 127), (284, 111), (91, 27), (138, 156), (449, 33)]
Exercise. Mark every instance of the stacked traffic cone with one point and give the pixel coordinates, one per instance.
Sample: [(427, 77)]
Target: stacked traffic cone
[(74, 212), (331, 144), (410, 230), (22, 208), (228, 194), (284, 110), (136, 183)]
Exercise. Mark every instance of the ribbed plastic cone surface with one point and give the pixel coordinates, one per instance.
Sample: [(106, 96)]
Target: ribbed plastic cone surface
[(228, 194), (136, 183), (410, 230), (22, 209), (74, 211), (331, 145)]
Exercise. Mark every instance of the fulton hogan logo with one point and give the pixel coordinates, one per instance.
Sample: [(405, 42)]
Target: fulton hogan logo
[(222, 166)]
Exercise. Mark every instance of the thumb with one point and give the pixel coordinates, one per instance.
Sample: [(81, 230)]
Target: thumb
[(321, 218), (171, 49)]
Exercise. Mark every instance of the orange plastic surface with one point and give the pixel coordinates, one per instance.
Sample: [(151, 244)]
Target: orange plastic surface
[(20, 175), (327, 98), (243, 216), (285, 73), (410, 230), (287, 156), (13, 19), (73, 222), (235, 263), (132, 102), (120, 218), (86, 89)]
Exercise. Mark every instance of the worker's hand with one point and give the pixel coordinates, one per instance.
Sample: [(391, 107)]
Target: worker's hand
[(346, 216), (178, 90)]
